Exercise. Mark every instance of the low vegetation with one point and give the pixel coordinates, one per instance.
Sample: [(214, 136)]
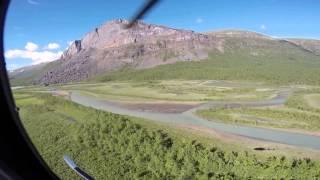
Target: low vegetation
[(299, 112), (271, 117), (110, 146), (174, 90), (299, 101)]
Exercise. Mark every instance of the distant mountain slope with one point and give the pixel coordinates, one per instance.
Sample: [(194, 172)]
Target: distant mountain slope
[(309, 44), (266, 60), (112, 52), (234, 33), (29, 74)]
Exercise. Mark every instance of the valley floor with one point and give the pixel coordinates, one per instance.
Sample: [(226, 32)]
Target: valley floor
[(297, 107), (248, 104)]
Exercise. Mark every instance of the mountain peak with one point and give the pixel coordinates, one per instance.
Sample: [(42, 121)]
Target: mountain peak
[(112, 34), (111, 46)]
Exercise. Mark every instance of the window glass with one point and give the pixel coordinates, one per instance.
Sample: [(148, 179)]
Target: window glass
[(196, 90)]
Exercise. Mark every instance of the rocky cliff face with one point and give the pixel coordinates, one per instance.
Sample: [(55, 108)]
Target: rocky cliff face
[(111, 47), (73, 49)]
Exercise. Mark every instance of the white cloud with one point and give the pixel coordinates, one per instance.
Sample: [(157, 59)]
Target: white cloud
[(30, 52), (30, 46), (199, 20), (52, 46), (263, 27), (32, 2)]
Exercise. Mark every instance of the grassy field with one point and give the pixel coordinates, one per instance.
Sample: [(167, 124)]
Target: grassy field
[(300, 112), (110, 146), (174, 90), (313, 100)]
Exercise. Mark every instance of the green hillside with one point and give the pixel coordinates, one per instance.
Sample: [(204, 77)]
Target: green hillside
[(256, 59)]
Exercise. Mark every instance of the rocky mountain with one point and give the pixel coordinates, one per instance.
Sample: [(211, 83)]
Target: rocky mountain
[(111, 47)]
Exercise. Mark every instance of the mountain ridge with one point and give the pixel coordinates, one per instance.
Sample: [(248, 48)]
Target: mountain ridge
[(110, 47)]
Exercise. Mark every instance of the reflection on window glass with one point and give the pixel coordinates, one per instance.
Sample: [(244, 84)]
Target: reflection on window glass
[(199, 90)]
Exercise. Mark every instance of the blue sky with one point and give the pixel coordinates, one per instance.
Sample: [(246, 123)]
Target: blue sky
[(39, 30)]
